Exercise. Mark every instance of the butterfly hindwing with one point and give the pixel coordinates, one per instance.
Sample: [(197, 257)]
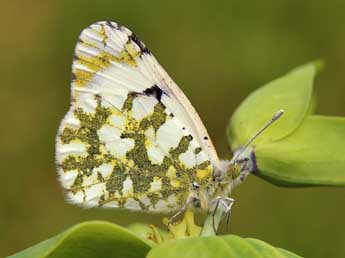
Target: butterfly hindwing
[(127, 140)]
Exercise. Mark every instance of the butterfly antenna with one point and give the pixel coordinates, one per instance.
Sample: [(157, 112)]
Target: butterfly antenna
[(273, 119)]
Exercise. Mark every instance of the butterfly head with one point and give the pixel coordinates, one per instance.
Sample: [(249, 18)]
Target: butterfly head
[(238, 169), (233, 171)]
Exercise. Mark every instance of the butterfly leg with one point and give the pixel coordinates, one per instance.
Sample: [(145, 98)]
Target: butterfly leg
[(226, 203), (182, 210)]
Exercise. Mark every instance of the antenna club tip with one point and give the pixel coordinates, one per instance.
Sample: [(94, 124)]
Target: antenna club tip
[(278, 114)]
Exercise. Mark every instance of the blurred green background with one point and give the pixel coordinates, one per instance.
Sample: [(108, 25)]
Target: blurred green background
[(218, 52)]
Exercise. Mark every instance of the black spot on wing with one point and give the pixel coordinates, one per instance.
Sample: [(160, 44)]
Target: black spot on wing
[(112, 25), (140, 44), (154, 91), (197, 150)]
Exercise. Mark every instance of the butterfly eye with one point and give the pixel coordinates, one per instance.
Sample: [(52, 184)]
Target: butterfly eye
[(234, 171)]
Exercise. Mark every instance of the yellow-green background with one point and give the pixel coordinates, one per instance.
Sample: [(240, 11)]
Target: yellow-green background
[(218, 52)]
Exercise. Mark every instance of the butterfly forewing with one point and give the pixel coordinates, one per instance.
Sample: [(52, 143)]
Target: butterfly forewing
[(131, 139)]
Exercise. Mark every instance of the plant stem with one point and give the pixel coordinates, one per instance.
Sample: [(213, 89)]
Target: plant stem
[(212, 222)]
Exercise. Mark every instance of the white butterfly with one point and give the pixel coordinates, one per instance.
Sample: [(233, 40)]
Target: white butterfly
[(131, 139)]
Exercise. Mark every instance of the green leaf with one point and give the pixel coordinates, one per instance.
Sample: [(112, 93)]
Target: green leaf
[(106, 240), (218, 247), (292, 92), (300, 149), (313, 155), (149, 233), (89, 239), (312, 105)]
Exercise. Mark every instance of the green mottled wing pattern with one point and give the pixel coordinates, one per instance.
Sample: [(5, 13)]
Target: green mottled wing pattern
[(130, 139)]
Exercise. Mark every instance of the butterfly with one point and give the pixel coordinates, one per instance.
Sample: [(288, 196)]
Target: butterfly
[(131, 139)]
